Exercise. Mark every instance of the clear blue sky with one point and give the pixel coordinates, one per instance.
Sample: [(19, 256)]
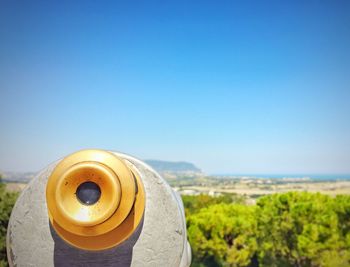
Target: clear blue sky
[(232, 86)]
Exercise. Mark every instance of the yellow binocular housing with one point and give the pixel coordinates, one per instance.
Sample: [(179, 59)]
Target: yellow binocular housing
[(95, 200)]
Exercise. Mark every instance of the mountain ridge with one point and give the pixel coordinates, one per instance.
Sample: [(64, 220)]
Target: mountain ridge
[(173, 166)]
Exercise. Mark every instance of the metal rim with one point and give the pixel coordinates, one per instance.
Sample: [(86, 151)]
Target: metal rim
[(113, 218)]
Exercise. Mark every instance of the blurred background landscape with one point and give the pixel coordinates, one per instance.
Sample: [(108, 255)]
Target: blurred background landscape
[(242, 106)]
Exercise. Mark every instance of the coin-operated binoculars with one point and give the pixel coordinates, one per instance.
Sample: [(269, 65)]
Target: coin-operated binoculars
[(98, 208)]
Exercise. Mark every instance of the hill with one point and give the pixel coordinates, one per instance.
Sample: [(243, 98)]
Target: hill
[(174, 167)]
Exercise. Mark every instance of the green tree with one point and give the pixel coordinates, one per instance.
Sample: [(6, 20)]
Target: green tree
[(7, 200), (303, 229), (223, 235), (194, 204)]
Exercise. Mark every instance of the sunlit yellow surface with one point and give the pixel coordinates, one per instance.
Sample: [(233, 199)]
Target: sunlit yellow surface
[(113, 217)]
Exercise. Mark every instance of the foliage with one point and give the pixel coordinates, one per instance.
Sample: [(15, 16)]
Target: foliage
[(7, 200), (193, 204), (290, 229), (223, 234), (303, 229)]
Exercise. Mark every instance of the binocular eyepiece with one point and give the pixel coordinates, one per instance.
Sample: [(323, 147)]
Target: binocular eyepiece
[(94, 200)]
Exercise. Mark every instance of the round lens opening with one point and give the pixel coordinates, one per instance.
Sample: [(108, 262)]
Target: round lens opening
[(88, 193)]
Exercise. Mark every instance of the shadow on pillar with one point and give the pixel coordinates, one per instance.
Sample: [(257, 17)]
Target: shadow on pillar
[(66, 255)]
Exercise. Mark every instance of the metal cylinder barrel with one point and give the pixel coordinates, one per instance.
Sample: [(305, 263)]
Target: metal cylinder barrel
[(98, 208)]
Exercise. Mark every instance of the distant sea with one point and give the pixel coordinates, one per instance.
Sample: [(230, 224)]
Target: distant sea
[(314, 177)]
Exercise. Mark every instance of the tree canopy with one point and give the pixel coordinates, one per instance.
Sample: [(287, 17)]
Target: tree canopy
[(7, 200), (223, 234), (290, 229)]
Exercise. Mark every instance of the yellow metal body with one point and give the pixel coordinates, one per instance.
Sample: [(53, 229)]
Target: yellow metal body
[(116, 214)]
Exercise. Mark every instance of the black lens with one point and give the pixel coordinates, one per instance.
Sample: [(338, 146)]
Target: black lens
[(88, 193)]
